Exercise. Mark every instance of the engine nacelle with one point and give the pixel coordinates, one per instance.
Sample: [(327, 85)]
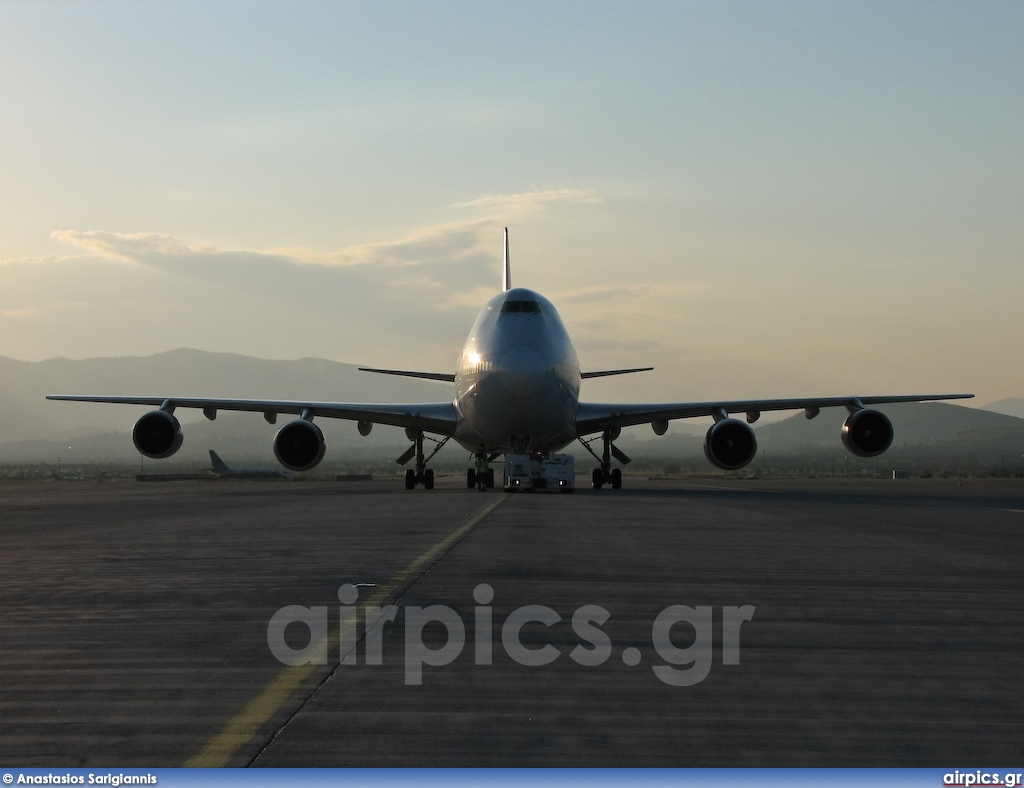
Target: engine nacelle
[(299, 445), (730, 444), (157, 434), (867, 433)]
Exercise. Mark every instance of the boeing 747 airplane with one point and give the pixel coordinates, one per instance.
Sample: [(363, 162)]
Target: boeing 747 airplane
[(517, 387)]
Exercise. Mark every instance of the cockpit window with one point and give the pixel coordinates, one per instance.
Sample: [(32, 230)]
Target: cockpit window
[(521, 306)]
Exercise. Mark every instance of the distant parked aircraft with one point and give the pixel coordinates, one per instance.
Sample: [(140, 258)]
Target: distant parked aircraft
[(516, 392), (221, 469)]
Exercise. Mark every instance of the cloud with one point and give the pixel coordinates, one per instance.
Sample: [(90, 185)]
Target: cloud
[(599, 301), (606, 293), (619, 325), (404, 302), (453, 246), (526, 202), (127, 247), (442, 245), (399, 299), (23, 261), (19, 314)]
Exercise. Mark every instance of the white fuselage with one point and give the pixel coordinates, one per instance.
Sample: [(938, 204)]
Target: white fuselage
[(518, 380)]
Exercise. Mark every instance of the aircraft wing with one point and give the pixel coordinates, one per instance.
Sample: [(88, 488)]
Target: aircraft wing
[(435, 417), (606, 372), (447, 377), (594, 417)]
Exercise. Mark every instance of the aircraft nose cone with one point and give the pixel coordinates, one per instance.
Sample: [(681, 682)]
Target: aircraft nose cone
[(521, 371)]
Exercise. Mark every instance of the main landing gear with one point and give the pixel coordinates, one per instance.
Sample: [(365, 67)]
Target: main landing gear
[(422, 474), (601, 477), (482, 476), (606, 474)]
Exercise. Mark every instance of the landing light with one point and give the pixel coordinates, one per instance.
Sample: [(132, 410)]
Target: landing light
[(474, 358)]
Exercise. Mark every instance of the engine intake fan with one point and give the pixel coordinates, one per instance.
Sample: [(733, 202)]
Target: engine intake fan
[(730, 444), (157, 435), (299, 445), (867, 433)]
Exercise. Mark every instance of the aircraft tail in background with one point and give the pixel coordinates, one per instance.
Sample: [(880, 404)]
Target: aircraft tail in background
[(507, 279), (221, 468)]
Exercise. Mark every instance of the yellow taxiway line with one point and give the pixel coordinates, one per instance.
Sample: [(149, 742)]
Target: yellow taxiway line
[(240, 730)]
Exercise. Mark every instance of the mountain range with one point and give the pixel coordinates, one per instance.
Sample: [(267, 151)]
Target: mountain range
[(33, 429), (1013, 406)]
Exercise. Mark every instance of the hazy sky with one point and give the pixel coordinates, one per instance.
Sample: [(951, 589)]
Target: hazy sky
[(760, 199)]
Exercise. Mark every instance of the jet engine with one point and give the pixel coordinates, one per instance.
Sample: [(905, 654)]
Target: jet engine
[(730, 444), (867, 433), (299, 445), (157, 434)]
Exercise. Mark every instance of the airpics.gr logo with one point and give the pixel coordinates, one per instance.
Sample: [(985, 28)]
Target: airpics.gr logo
[(595, 646), (978, 777)]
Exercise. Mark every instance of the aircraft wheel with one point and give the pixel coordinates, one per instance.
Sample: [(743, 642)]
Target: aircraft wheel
[(597, 478), (410, 479), (470, 479), (489, 477), (428, 479), (616, 479)]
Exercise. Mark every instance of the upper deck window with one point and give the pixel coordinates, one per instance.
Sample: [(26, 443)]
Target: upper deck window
[(521, 306)]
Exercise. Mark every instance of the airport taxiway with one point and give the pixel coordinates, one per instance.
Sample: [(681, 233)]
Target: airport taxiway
[(887, 625)]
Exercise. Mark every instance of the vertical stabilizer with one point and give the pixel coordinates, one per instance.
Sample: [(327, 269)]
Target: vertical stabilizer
[(218, 464), (507, 283)]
